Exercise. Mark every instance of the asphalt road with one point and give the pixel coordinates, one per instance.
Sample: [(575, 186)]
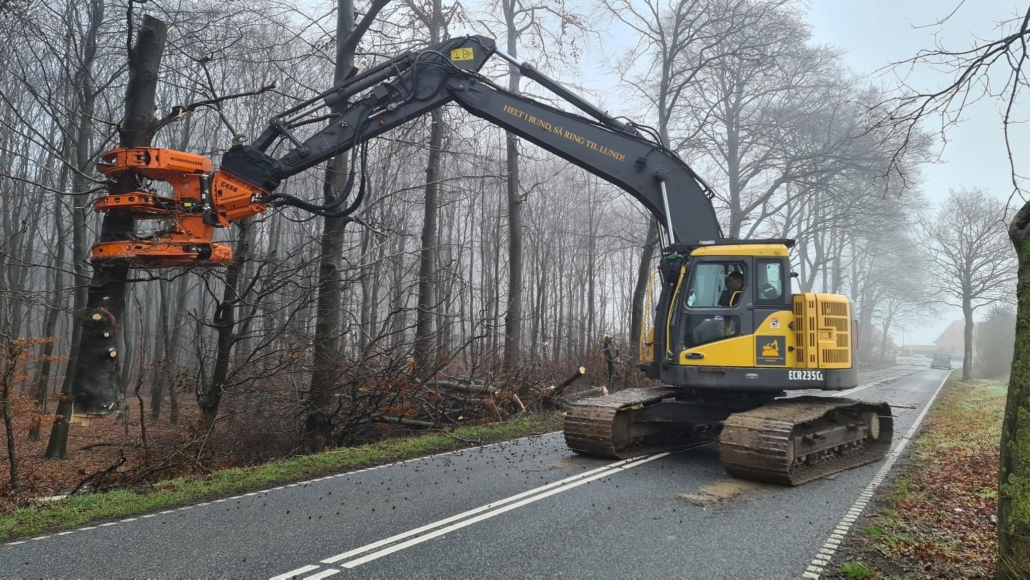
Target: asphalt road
[(527, 508)]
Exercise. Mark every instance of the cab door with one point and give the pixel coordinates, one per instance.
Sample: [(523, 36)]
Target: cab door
[(769, 298), (709, 310)]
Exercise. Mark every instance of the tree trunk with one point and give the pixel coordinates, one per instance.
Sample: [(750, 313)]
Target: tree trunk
[(97, 388), (427, 254), (643, 273), (330, 288), (52, 313), (12, 458), (967, 339), (1014, 469), (513, 315), (225, 323), (160, 364), (427, 251)]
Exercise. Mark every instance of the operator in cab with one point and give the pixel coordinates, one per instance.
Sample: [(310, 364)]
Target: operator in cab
[(734, 288)]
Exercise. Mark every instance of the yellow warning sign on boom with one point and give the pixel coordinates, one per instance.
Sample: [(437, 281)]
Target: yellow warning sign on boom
[(462, 54)]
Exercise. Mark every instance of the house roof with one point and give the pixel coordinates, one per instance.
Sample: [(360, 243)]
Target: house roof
[(954, 331)]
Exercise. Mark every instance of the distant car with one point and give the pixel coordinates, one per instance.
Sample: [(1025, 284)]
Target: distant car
[(919, 360), (941, 361)]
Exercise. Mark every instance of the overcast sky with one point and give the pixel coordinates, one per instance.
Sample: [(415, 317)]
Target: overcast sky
[(877, 32), (873, 34)]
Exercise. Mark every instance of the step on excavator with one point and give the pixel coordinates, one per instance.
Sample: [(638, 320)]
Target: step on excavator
[(726, 337)]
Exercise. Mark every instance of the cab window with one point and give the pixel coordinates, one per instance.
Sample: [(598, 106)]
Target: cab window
[(713, 285), (716, 285), (769, 282)]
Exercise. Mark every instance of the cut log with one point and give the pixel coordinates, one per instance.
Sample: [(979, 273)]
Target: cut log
[(560, 388), (403, 421), (463, 387)]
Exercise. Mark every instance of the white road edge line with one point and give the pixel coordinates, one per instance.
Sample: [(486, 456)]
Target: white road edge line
[(605, 469), (873, 384), (829, 548), (496, 512), (294, 573), (299, 483), (323, 574)]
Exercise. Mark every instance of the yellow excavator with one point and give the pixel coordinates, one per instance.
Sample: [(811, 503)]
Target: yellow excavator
[(728, 337)]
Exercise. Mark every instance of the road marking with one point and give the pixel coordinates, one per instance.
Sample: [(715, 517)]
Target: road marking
[(323, 574), (299, 483), (294, 573), (496, 512), (603, 470), (829, 548), (875, 383)]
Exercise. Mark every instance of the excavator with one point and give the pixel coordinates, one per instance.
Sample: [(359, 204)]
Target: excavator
[(727, 339)]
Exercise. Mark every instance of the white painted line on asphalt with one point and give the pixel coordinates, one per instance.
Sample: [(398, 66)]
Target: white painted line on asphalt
[(294, 573), (281, 487), (600, 470), (832, 543), (497, 512), (323, 574), (889, 379)]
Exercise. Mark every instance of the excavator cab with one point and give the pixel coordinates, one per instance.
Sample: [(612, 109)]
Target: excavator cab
[(731, 322), (727, 341)]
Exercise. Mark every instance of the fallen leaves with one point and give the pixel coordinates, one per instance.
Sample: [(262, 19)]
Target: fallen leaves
[(936, 521)]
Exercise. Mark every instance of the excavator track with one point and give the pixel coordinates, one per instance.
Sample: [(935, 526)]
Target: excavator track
[(600, 427), (797, 440)]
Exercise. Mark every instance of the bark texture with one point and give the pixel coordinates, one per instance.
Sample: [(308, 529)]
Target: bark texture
[(97, 387), (424, 352), (330, 287), (513, 314), (1014, 469)]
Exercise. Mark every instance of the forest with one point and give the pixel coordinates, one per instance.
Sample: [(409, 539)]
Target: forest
[(477, 264)]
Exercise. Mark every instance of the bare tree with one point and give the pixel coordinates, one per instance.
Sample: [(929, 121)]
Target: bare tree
[(327, 326), (969, 257)]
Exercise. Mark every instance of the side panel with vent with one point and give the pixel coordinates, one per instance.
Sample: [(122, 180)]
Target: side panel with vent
[(806, 353), (822, 329), (833, 316)]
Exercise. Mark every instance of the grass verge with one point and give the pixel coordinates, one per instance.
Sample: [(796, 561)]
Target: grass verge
[(935, 519), (80, 510)]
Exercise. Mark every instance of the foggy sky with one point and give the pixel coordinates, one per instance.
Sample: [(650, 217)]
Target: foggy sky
[(877, 32)]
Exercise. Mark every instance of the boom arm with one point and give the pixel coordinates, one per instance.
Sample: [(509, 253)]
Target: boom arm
[(398, 91), (434, 77)]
